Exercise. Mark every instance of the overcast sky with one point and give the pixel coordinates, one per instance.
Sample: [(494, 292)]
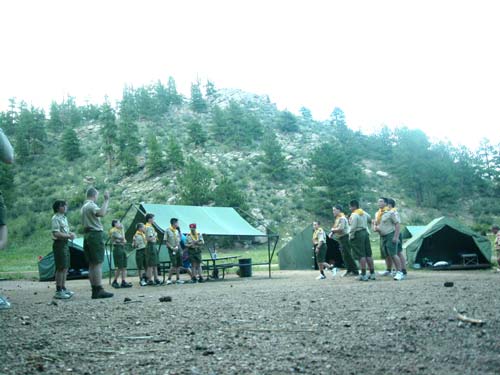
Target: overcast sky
[(433, 65)]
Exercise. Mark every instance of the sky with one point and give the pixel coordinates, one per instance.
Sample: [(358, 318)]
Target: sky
[(432, 65)]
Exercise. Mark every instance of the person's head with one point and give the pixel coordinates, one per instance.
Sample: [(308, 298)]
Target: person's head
[(140, 227), (116, 224), (316, 224), (59, 206), (192, 228), (353, 205), (150, 218), (92, 194), (337, 209), (391, 202), (495, 228), (382, 202), (174, 222)]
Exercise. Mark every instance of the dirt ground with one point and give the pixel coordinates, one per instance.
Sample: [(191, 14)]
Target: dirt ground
[(291, 323)]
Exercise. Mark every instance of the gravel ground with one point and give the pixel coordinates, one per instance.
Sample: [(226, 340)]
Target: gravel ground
[(291, 323)]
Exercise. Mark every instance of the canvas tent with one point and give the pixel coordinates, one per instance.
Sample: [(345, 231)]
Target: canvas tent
[(412, 230), (211, 221), (445, 239), (78, 264), (297, 254)]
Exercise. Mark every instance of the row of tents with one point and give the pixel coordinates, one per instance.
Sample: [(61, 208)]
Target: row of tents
[(442, 240)]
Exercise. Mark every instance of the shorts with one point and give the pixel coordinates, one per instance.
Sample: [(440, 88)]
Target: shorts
[(194, 256), (360, 245), (390, 248), (3, 211), (140, 259), (151, 255), (119, 256), (61, 254), (321, 253), (93, 247), (175, 259)]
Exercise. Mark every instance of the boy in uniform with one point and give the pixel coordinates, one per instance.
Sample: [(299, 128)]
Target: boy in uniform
[(173, 241), (360, 240), (60, 237), (139, 244), (119, 255), (391, 204), (495, 229), (152, 260), (340, 233), (319, 243), (194, 243)]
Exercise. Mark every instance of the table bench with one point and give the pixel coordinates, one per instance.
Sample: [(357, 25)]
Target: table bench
[(469, 259)]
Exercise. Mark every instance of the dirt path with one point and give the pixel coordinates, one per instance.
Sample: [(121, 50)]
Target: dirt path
[(291, 323)]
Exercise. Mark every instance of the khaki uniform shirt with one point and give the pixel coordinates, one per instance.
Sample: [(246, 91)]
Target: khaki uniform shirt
[(357, 223), (59, 224), (90, 220), (172, 238), (190, 240), (151, 235), (140, 241), (319, 236), (341, 224), (388, 222), (116, 236)]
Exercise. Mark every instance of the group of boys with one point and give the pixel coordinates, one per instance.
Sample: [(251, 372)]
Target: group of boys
[(353, 237)]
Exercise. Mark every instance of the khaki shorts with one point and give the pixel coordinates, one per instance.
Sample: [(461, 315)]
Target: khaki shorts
[(175, 260), (61, 254), (151, 255), (194, 255), (321, 253), (119, 256), (140, 259), (93, 247), (360, 245), (389, 248)]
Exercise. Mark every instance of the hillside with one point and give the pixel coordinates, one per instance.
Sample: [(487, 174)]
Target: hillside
[(284, 169)]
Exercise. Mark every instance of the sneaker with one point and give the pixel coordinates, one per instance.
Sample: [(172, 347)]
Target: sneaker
[(349, 273), (179, 282), (101, 293), (4, 304), (321, 277), (61, 295), (143, 282), (169, 282), (68, 292), (363, 278), (200, 280), (115, 284), (334, 271), (157, 282), (398, 276), (150, 282), (384, 273), (372, 276), (125, 284)]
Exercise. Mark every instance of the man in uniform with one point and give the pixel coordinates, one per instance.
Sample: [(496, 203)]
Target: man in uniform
[(139, 244), (7, 156), (119, 255), (93, 240), (391, 204), (173, 242), (60, 237), (382, 208), (387, 225), (194, 243), (319, 243), (360, 240), (340, 233), (495, 229), (152, 260)]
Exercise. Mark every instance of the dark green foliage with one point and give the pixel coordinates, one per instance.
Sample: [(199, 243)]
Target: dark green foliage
[(306, 114), (197, 134), (243, 128), (287, 122), (70, 145), (198, 103), (210, 91), (90, 112), (146, 102), (226, 194), (129, 137), (7, 187), (274, 163), (175, 158), (194, 184), (174, 97), (55, 123), (162, 98), (220, 126), (155, 161), (30, 136), (341, 131), (109, 133)]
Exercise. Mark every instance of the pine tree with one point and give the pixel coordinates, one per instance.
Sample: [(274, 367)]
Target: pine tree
[(129, 142), (7, 186), (210, 92), (162, 98), (226, 194), (109, 134), (70, 145), (175, 158), (55, 123), (194, 184), (274, 163), (173, 95), (196, 133), (220, 126), (155, 162), (287, 122), (198, 103)]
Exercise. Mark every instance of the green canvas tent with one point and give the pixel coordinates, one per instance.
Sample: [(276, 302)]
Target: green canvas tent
[(412, 230), (78, 264), (445, 239), (211, 221), (297, 254)]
